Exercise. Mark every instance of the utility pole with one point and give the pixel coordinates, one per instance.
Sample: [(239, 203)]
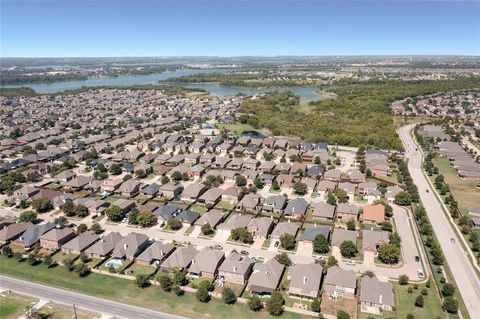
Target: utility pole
[(74, 312)]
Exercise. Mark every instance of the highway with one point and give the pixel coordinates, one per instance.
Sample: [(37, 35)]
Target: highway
[(65, 297), (457, 258)]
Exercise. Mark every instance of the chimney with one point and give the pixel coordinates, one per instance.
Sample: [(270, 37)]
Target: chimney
[(234, 268), (304, 280), (125, 246), (380, 299)]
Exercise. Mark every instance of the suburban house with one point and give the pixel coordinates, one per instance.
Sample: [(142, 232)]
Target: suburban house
[(188, 217), (235, 221), (323, 211), (340, 235), (169, 191), (349, 188), (305, 280), (13, 231), (274, 204), (129, 188), (213, 218), (323, 187), (155, 254), (373, 213), (372, 240), (206, 263), (235, 269), (340, 283), (296, 207), (130, 246), (181, 258), (285, 228), (305, 241), (376, 296), (265, 277), (193, 191), (111, 185), (166, 212), (56, 237), (333, 175), (80, 243), (150, 190), (104, 246), (347, 211), (260, 227), (249, 202), (211, 197), (33, 233), (125, 204), (232, 195)]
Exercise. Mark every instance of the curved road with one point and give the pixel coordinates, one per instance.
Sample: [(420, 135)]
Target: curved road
[(65, 297), (462, 269)]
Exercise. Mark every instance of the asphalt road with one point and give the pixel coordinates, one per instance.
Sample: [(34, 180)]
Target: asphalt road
[(462, 269), (93, 304)]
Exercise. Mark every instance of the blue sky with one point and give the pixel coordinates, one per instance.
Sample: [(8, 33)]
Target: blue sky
[(232, 28)]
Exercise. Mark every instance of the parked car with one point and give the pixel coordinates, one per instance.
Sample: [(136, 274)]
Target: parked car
[(417, 259), (452, 240), (94, 217), (427, 191), (217, 247), (244, 252), (351, 262), (276, 244), (420, 274)]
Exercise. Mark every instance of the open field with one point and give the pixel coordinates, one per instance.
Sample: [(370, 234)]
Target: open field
[(126, 291), (405, 302), (13, 306), (237, 128), (464, 191)]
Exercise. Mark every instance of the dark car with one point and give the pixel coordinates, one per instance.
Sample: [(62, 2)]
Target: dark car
[(417, 259)]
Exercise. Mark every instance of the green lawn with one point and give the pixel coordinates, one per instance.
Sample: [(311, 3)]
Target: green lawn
[(13, 306), (405, 302), (126, 291), (137, 269), (237, 128)]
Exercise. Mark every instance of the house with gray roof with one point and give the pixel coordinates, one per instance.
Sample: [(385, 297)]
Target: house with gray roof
[(235, 269), (169, 190), (305, 280), (235, 221), (274, 204), (296, 207), (80, 243), (283, 228), (181, 258), (188, 217), (166, 212), (340, 283), (347, 211), (211, 197), (260, 227), (150, 190), (310, 233), (56, 237), (104, 246), (340, 235), (250, 202), (265, 277), (213, 218), (376, 296), (323, 211), (130, 246), (33, 234), (155, 253), (13, 231), (193, 191), (206, 263), (373, 239)]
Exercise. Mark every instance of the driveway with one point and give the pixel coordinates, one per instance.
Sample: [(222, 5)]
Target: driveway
[(221, 237), (196, 231)]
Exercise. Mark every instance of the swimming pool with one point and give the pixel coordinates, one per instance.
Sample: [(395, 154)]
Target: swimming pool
[(114, 263)]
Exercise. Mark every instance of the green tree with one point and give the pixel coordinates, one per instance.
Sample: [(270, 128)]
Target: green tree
[(315, 305), (389, 254), (165, 281), (146, 219), (164, 180), (342, 196), (320, 244), (42, 205), (274, 304), (448, 289), (351, 224), (300, 188), (174, 223), (395, 239), (179, 277), (7, 251), (240, 181), (96, 228), (403, 280), (287, 241), (255, 303), (115, 169), (82, 228), (142, 281), (206, 229), (48, 260), (202, 295), (331, 199), (114, 213), (242, 235), (82, 269), (403, 198), (450, 305), (419, 301), (28, 216), (229, 296), (341, 314), (348, 249), (284, 259), (61, 221)]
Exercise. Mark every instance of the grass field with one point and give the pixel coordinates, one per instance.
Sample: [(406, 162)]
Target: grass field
[(405, 302), (464, 191), (238, 129), (123, 290), (13, 306)]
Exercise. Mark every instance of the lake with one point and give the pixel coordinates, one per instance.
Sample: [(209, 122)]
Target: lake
[(305, 93)]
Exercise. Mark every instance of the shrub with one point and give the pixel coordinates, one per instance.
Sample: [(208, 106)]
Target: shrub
[(274, 304), (424, 291), (7, 251), (348, 249), (202, 294), (287, 241), (448, 290), (403, 280), (450, 305), (174, 223), (315, 305), (410, 290), (177, 290), (142, 281), (284, 259), (419, 301), (342, 315), (166, 282), (28, 216), (82, 269), (255, 303), (229, 296)]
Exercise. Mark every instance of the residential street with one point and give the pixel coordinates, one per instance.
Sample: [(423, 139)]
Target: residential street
[(60, 296), (458, 260)]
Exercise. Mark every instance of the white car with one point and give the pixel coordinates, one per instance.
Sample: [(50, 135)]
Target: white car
[(420, 274), (351, 262)]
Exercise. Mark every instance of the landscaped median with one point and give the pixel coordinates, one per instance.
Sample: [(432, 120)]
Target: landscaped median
[(123, 290)]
